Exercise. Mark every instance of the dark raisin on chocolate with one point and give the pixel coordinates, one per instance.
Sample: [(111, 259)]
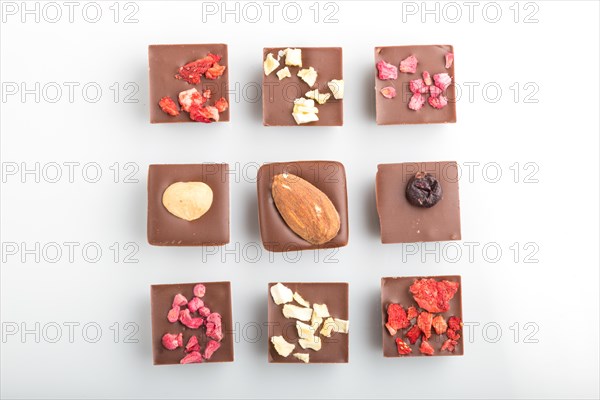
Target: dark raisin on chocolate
[(423, 190)]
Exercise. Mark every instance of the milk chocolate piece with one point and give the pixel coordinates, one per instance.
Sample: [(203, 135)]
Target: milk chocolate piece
[(165, 229), (164, 64), (335, 348), (395, 111), (396, 290), (279, 96), (327, 176), (402, 222), (217, 298)]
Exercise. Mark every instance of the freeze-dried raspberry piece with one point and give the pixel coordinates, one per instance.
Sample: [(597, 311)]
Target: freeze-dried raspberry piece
[(449, 345), (192, 71), (397, 317), (222, 104), (214, 331), (409, 64), (449, 59), (207, 94), (215, 71), (434, 91), (194, 304), (452, 334), (171, 341), (413, 334), (211, 347), (427, 78), (455, 323), (432, 295), (200, 289), (168, 105), (179, 300), (186, 319), (416, 102), (439, 324), (388, 92), (411, 313), (204, 114), (391, 330), (442, 80), (438, 102), (173, 314), (426, 348), (424, 321), (204, 311), (190, 98), (387, 71), (403, 348), (192, 358), (418, 86), (192, 345)]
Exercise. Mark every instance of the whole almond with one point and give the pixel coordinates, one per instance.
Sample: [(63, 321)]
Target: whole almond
[(305, 209), (188, 200)]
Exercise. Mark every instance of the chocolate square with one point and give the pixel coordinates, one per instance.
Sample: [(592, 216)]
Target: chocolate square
[(402, 222), (335, 348), (395, 111), (217, 298), (327, 176), (396, 290), (279, 96), (211, 229), (164, 63)]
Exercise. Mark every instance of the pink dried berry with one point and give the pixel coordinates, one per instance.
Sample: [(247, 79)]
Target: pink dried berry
[(438, 102), (214, 331), (179, 300), (195, 304), (190, 98), (427, 78), (204, 114), (200, 289), (409, 64), (191, 358), (211, 347), (416, 102), (388, 92), (449, 59), (387, 71), (434, 91), (442, 80), (173, 314), (186, 319), (168, 105), (204, 311), (192, 345), (418, 86), (171, 341)]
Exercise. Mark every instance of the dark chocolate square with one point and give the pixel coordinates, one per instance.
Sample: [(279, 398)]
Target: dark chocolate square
[(327, 176), (335, 348), (165, 229), (400, 221), (395, 111), (217, 298), (164, 62), (396, 290), (279, 95)]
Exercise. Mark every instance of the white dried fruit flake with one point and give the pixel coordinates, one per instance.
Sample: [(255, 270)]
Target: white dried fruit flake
[(337, 88), (343, 326), (282, 347), (308, 75), (315, 320), (334, 325), (301, 313), (270, 64), (328, 326), (313, 343), (300, 300), (305, 331), (304, 111), (305, 357), (321, 310), (284, 73), (293, 57), (281, 294), (321, 98)]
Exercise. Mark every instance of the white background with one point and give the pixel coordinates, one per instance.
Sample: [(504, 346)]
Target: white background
[(558, 214)]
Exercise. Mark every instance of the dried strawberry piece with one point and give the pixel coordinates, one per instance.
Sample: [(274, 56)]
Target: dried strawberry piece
[(426, 348), (207, 94), (424, 322), (179, 300), (192, 358), (418, 86), (397, 317), (391, 330), (427, 78), (442, 80), (204, 114), (403, 348), (204, 311), (186, 319), (169, 106), (413, 334), (190, 98), (438, 102), (449, 59), (171, 341), (387, 71), (449, 345), (388, 92), (409, 64), (416, 102), (200, 290), (432, 295), (451, 333), (214, 328), (439, 324), (455, 323), (192, 345), (192, 71), (222, 104), (211, 347), (411, 313), (173, 314), (215, 71), (434, 91), (195, 304)]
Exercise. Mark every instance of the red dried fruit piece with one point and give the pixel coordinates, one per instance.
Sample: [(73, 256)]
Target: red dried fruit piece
[(190, 98), (192, 345), (434, 91), (386, 71), (194, 304), (413, 334), (211, 347), (204, 311), (411, 313), (215, 71), (207, 94), (186, 319), (426, 348), (214, 328), (173, 314), (200, 289), (388, 92), (455, 323), (192, 358), (169, 106), (424, 321), (418, 86), (427, 78), (432, 295), (204, 114), (403, 348), (222, 104), (409, 64), (416, 102), (192, 71), (439, 324), (179, 300), (449, 59), (442, 80), (451, 333), (171, 341), (449, 345), (397, 317), (438, 102)]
